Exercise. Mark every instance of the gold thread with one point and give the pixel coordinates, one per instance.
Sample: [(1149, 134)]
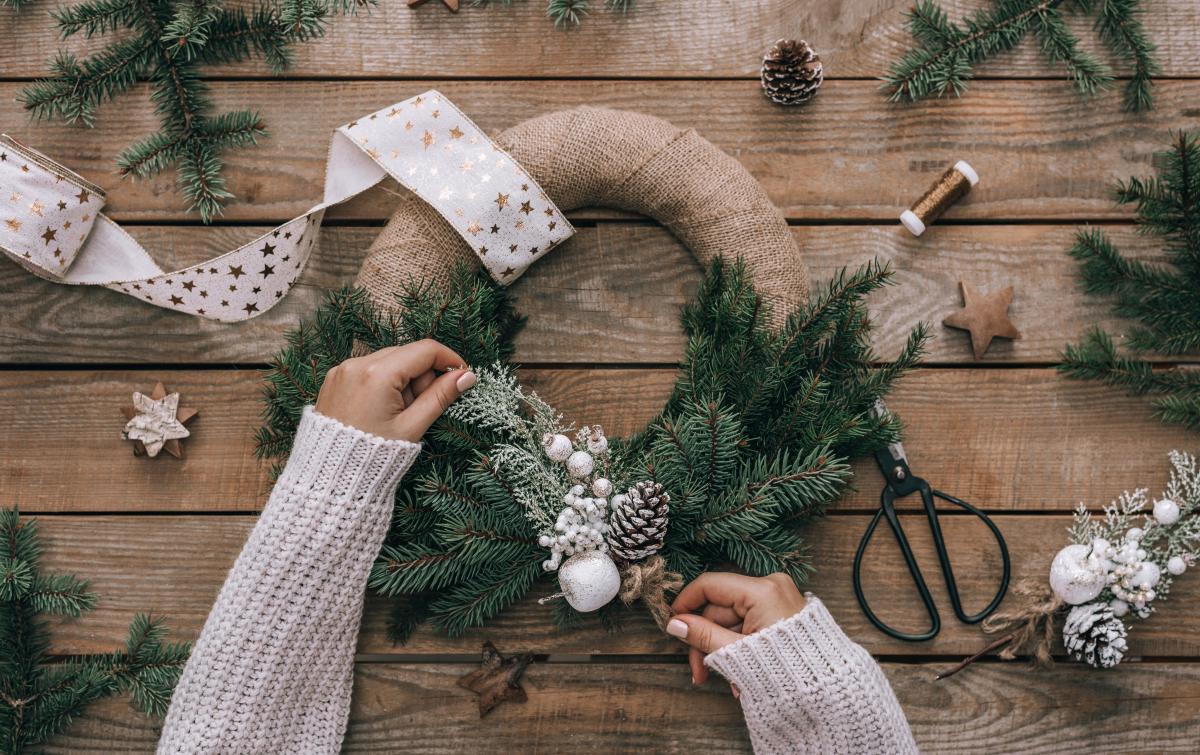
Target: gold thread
[(951, 187)]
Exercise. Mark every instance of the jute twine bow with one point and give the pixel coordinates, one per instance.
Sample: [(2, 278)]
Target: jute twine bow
[(1029, 626), (650, 580)]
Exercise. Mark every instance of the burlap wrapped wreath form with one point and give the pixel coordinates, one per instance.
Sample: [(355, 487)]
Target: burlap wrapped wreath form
[(595, 157)]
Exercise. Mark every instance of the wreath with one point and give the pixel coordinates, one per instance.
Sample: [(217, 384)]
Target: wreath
[(773, 398)]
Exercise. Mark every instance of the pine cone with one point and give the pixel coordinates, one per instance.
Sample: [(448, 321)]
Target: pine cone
[(791, 72), (1094, 635), (638, 524)]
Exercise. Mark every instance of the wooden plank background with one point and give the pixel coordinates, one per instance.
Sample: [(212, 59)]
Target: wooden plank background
[(1007, 433)]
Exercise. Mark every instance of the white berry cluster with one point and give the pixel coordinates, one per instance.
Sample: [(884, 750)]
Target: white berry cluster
[(583, 522), (581, 526), (1132, 578)]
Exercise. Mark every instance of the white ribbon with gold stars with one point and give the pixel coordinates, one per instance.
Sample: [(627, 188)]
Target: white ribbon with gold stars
[(51, 224)]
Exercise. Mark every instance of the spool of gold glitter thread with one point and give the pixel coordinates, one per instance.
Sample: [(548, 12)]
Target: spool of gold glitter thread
[(951, 187)]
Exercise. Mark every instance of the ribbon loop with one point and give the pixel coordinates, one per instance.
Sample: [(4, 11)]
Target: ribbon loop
[(51, 224)]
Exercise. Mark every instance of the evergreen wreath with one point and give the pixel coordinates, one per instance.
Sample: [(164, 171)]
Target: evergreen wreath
[(168, 43), (39, 699), (754, 441), (1164, 301)]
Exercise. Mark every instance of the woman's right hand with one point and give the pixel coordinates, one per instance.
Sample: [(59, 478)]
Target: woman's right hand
[(397, 392), (729, 606)]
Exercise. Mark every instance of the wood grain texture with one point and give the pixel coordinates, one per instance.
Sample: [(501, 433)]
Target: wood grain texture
[(995, 708), (1002, 439), (175, 566), (1041, 152), (712, 39), (612, 294)]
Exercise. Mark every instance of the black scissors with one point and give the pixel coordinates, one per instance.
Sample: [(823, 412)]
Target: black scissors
[(899, 482)]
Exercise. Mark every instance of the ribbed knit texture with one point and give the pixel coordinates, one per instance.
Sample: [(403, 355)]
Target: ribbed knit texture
[(273, 668), (807, 688)]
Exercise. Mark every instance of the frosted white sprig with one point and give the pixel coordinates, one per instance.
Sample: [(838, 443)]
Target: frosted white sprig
[(498, 403), (1144, 544)]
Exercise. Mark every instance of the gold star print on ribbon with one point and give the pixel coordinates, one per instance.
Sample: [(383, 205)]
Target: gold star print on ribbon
[(51, 221)]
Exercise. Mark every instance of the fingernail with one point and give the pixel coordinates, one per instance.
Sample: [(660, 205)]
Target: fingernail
[(465, 381), (677, 628), (694, 682), (737, 693)]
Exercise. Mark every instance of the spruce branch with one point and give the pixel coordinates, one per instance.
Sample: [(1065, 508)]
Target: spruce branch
[(946, 53), (166, 42), (40, 698), (1160, 299)]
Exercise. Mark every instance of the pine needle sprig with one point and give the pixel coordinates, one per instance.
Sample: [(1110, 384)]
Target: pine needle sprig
[(1162, 300), (40, 698), (166, 42), (947, 53)]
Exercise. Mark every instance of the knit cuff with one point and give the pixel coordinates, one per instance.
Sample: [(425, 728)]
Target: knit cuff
[(332, 460), (808, 648)]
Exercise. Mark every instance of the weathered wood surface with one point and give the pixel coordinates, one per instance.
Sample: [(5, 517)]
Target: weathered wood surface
[(1003, 439), (1041, 152), (616, 287), (711, 39), (994, 708), (175, 566)]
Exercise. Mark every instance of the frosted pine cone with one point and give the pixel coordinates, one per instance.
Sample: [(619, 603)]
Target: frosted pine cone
[(1094, 635), (791, 72), (638, 523)]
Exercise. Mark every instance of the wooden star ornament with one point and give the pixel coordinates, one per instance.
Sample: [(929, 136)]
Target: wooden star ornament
[(985, 316), (497, 680), (451, 4), (156, 422)]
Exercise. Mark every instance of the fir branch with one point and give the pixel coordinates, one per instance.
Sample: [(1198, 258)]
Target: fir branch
[(167, 42), (1161, 300), (39, 699), (946, 53)]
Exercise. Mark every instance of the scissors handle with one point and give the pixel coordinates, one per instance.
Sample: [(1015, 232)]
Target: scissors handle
[(887, 510), (944, 559)]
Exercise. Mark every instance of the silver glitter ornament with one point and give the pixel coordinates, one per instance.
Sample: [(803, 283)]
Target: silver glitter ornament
[(589, 580), (1078, 574)]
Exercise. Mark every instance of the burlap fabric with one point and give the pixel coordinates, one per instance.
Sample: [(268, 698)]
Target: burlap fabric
[(594, 157)]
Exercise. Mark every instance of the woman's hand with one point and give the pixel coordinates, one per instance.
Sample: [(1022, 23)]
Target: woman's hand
[(733, 607), (396, 392)]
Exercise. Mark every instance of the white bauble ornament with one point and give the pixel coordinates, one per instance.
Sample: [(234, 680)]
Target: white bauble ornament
[(1166, 511), (1134, 534), (558, 447), (589, 580), (1146, 577), (1076, 576), (1119, 608), (602, 487), (596, 442), (580, 464), (1176, 566)]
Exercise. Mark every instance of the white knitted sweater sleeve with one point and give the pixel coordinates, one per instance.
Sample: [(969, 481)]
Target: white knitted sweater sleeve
[(273, 668), (806, 687)]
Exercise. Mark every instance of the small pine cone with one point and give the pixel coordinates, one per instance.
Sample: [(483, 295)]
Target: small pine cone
[(791, 72), (638, 525), (1094, 635)]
